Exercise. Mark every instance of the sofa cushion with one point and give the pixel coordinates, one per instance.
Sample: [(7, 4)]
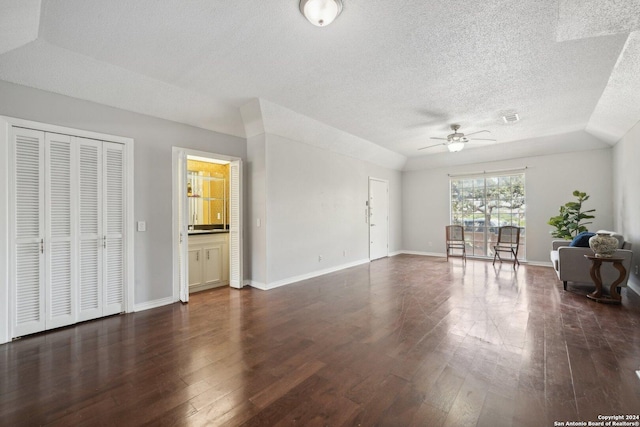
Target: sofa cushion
[(582, 239)]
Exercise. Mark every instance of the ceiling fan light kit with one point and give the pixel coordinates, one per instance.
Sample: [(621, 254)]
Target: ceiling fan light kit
[(455, 146), (321, 12), (455, 141)]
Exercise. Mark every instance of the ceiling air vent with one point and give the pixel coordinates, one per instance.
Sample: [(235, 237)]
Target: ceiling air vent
[(511, 118)]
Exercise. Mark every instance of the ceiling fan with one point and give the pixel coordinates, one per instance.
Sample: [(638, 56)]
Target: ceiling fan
[(455, 141)]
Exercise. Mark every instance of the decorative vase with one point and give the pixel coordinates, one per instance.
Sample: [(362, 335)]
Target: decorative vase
[(604, 245)]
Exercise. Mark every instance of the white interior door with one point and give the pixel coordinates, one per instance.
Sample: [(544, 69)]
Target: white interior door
[(235, 224), (60, 246), (183, 224), (27, 233), (114, 226), (90, 228), (378, 218)]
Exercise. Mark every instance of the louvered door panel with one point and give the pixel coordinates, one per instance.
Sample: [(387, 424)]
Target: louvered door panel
[(183, 236), (114, 228), (235, 225), (27, 232), (29, 290), (60, 302), (90, 292), (90, 228), (60, 280), (114, 277)]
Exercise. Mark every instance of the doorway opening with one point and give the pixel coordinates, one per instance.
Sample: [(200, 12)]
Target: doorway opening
[(207, 219)]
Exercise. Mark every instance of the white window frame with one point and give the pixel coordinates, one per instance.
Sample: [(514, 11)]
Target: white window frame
[(485, 175)]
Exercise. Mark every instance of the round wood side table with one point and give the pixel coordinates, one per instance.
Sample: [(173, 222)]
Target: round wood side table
[(596, 262)]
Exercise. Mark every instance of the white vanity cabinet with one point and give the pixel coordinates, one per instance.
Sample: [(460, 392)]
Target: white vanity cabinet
[(208, 261)]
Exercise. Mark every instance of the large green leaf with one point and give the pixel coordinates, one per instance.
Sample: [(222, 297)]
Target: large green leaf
[(570, 221)]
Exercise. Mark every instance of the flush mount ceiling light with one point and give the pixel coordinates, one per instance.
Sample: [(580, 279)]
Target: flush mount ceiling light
[(320, 12)]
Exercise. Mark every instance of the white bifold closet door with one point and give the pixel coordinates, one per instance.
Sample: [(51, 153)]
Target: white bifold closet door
[(90, 223), (59, 248), (101, 224), (235, 230), (113, 245), (27, 257), (68, 234), (44, 291)]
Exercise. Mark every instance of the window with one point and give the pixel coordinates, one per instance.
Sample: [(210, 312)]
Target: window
[(482, 204)]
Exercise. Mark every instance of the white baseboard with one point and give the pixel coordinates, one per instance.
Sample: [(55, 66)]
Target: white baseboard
[(442, 255), (257, 285), (290, 280), (631, 285), (153, 304), (538, 263), (205, 286), (436, 254)]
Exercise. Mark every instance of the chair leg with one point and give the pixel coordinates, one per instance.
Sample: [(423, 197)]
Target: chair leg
[(564, 283)]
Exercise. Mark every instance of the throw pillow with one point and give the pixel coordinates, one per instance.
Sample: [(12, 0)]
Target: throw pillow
[(582, 239)]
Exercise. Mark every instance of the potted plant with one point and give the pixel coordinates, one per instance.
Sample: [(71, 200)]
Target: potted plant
[(570, 221)]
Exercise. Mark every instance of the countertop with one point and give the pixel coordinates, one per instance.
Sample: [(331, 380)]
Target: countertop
[(193, 232)]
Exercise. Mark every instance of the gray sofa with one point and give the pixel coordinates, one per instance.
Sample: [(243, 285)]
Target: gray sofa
[(571, 265)]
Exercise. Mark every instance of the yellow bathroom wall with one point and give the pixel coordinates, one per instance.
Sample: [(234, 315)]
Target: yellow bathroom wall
[(212, 189)]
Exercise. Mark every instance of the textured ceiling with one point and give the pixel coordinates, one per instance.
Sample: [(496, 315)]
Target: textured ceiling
[(386, 73), (19, 20)]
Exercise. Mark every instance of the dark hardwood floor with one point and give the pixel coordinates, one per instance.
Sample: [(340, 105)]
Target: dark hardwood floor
[(403, 341)]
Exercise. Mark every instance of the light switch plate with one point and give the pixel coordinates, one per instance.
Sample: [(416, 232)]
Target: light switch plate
[(142, 226)]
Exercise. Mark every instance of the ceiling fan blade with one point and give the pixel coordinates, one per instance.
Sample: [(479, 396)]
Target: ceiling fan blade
[(431, 146), (437, 137), (482, 139), (473, 133)]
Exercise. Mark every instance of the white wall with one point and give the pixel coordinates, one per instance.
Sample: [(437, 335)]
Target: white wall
[(549, 182), (626, 180), (256, 234), (154, 139), (316, 204)]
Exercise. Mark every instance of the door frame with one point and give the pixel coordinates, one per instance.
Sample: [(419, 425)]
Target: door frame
[(179, 153), (6, 195), (386, 182)]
